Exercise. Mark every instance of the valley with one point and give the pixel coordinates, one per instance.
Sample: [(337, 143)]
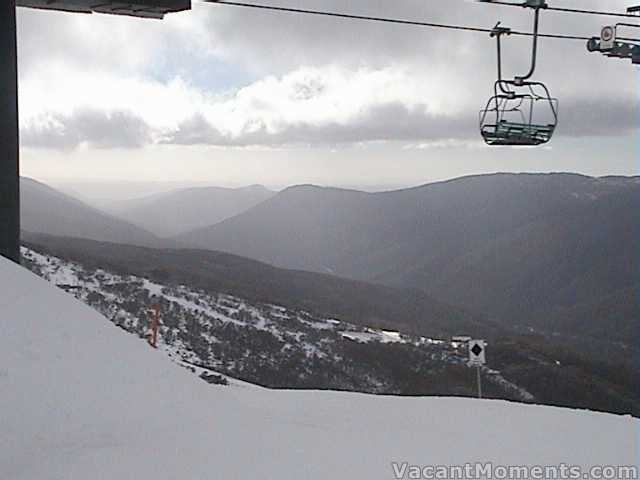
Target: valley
[(541, 266), (271, 345), (216, 333)]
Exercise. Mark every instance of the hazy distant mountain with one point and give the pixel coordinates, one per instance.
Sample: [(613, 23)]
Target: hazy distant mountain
[(46, 210), (513, 246), (179, 211), (304, 227)]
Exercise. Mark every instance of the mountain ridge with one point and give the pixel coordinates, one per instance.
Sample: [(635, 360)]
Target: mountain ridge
[(168, 214), (49, 211), (490, 243)]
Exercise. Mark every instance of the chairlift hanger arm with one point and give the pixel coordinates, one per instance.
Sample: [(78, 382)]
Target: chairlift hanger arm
[(497, 32), (534, 54)]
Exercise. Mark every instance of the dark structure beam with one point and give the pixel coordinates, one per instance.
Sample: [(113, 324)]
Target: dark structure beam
[(9, 151), (135, 8)]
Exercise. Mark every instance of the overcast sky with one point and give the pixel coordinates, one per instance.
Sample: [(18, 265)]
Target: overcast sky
[(230, 96)]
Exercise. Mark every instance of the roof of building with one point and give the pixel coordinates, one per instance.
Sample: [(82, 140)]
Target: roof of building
[(137, 8)]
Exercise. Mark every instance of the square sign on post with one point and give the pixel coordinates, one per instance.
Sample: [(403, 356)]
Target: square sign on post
[(477, 353), (477, 359)]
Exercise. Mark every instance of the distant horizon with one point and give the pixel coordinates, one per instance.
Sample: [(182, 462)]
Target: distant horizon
[(99, 191)]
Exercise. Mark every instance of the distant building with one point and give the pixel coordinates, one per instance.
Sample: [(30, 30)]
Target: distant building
[(69, 288), (461, 339)]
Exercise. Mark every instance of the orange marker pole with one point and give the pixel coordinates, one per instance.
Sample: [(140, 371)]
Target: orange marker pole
[(155, 324)]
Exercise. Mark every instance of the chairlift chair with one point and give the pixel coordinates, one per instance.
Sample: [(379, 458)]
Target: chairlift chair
[(523, 119), (521, 112)]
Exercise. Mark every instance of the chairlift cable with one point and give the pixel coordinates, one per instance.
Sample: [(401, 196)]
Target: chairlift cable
[(569, 10), (389, 20)]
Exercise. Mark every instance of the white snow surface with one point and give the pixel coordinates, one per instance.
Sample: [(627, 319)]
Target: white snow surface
[(82, 399)]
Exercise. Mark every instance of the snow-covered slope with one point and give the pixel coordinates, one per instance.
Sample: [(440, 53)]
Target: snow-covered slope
[(80, 398)]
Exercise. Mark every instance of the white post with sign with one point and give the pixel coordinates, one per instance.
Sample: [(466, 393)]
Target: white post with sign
[(477, 358)]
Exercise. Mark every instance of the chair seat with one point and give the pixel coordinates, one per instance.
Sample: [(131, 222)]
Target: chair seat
[(513, 133)]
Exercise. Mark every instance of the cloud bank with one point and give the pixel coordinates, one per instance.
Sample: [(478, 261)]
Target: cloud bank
[(108, 82)]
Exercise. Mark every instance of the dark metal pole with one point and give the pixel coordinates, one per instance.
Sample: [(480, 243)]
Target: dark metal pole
[(534, 55), (9, 136)]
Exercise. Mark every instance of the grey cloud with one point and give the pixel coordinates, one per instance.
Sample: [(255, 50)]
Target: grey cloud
[(579, 117), (394, 122), (595, 116), (96, 128), (272, 41), (380, 123), (194, 131), (284, 39), (598, 96)]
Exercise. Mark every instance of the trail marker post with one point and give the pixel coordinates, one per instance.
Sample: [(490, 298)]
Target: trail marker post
[(155, 325)]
